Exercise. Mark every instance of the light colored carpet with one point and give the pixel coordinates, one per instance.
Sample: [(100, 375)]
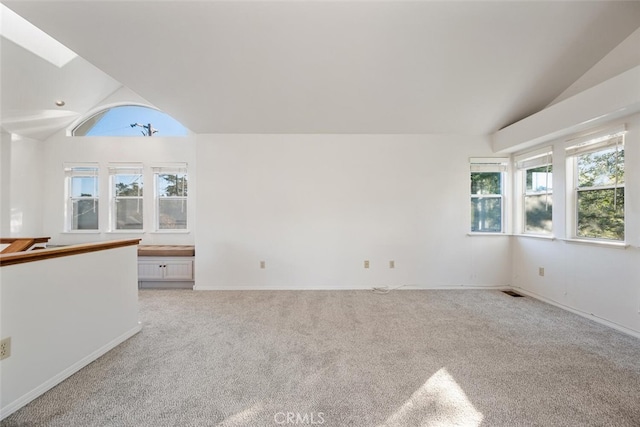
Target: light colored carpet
[(338, 358)]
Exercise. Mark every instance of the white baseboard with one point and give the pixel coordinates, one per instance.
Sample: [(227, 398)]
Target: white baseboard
[(165, 285), (584, 314), (342, 287), (57, 379)]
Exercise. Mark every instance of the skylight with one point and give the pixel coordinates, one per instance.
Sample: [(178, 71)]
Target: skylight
[(20, 31)]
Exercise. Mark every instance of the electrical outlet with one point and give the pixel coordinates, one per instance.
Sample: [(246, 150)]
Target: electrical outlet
[(366, 263), (263, 264), (5, 348), (392, 264), (540, 271)]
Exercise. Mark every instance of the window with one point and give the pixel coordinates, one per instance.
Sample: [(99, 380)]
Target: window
[(598, 179), (130, 120), (171, 197), (536, 180), (126, 197), (487, 189), (82, 197)]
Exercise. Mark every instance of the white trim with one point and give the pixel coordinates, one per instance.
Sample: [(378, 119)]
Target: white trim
[(70, 166), (595, 145), (598, 134), (120, 168), (125, 232), (57, 379), (489, 160), (346, 287), (480, 233), (100, 109), (178, 167), (608, 243), (89, 170), (536, 236), (533, 154), (581, 313)]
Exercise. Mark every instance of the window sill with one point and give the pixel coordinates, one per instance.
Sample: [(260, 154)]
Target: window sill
[(487, 234), (616, 245), (170, 232), (536, 236), (82, 232), (125, 232)]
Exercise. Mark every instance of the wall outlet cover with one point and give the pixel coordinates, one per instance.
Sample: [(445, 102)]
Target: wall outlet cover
[(5, 348)]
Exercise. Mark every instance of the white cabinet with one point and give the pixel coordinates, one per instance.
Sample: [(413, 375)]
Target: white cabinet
[(150, 270), (165, 272)]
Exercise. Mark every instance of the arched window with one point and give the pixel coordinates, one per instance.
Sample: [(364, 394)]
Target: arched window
[(130, 120)]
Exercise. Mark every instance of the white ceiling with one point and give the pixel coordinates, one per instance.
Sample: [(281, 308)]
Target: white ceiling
[(329, 66)]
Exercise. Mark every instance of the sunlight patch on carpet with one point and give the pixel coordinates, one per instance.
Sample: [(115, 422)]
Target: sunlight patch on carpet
[(243, 418), (439, 402)]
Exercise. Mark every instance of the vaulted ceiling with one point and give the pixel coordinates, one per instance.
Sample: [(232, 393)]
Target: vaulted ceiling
[(318, 66)]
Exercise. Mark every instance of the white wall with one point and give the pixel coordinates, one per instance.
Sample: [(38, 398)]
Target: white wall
[(598, 281), (26, 187), (104, 150), (61, 314), (314, 207), (5, 183), (623, 57), (21, 205)]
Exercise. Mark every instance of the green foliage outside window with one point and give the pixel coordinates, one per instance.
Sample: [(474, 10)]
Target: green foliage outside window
[(172, 185), (600, 195), (538, 200), (128, 201), (172, 201), (486, 183), (486, 202)]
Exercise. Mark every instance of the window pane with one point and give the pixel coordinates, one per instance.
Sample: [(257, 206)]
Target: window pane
[(539, 179), (538, 213), (129, 214), (84, 186), (128, 185), (130, 120), (601, 168), (486, 214), (88, 124), (601, 213), (85, 214), (172, 214), (486, 183), (172, 185)]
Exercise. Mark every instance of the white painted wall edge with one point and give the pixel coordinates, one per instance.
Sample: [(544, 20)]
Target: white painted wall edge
[(615, 98), (584, 314), (350, 288), (52, 382)]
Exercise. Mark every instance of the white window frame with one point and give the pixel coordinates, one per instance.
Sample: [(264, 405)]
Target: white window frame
[(177, 168), (524, 162), (116, 169), (491, 164), (591, 143), (71, 171)]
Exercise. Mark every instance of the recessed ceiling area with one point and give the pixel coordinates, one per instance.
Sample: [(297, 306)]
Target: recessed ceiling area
[(334, 67)]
